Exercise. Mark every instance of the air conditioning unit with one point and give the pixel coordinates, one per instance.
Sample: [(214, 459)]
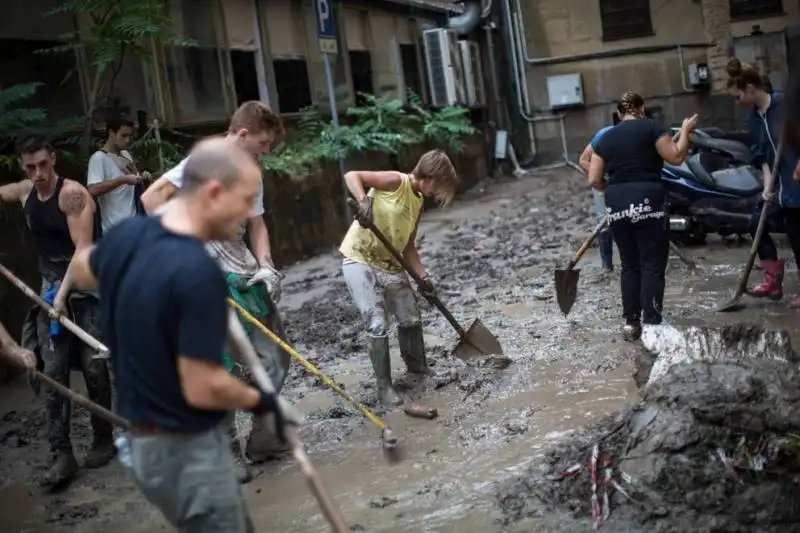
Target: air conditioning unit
[(445, 67), (473, 73)]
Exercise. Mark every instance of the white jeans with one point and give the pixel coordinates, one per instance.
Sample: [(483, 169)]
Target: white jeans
[(377, 293)]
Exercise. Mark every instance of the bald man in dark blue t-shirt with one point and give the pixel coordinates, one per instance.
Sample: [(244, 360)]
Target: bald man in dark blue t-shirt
[(163, 299)]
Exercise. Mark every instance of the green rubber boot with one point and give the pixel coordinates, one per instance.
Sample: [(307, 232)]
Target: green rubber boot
[(412, 349), (379, 355)]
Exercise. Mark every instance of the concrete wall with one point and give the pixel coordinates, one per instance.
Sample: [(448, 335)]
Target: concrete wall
[(573, 27)]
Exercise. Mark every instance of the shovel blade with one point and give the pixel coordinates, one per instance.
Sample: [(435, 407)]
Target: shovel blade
[(479, 342), (567, 288), (732, 305)]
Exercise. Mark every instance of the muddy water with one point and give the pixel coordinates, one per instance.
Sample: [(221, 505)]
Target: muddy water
[(492, 256)]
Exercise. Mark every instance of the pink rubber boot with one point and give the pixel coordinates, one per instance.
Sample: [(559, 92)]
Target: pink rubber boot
[(772, 286)]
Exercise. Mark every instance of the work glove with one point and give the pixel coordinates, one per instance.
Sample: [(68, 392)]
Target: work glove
[(279, 411), (271, 278), (427, 288), (364, 215)]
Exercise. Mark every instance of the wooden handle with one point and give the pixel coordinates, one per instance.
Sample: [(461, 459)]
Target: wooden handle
[(762, 225), (433, 299), (586, 243), (90, 406), (66, 322)]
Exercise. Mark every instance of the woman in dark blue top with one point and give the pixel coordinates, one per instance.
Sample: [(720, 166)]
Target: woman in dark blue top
[(765, 115), (632, 154)]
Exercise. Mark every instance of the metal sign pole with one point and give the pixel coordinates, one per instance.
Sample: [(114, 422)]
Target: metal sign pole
[(329, 45)]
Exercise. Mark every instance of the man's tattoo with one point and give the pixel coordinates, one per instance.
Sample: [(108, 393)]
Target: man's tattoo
[(74, 201)]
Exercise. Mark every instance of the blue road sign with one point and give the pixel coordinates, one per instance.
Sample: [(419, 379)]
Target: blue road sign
[(326, 26)]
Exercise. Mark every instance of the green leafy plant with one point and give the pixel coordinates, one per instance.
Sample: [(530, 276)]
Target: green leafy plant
[(15, 118), (115, 30), (378, 125), (445, 126)]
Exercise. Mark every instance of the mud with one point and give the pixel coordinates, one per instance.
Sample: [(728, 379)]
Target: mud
[(492, 255), (711, 447)]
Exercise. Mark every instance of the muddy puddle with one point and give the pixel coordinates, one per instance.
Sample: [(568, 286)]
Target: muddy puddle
[(491, 256)]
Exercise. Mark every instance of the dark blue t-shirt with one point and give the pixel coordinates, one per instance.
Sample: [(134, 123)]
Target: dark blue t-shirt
[(633, 165), (162, 296)]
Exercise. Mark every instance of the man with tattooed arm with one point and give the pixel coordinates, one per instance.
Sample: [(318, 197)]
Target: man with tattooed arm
[(59, 213)]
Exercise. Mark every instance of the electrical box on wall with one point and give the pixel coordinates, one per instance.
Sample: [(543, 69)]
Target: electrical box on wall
[(565, 91), (699, 75)]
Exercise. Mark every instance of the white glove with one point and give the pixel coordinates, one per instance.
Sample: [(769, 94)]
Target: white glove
[(271, 278)]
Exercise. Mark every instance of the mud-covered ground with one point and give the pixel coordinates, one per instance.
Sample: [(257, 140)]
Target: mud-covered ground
[(492, 255)]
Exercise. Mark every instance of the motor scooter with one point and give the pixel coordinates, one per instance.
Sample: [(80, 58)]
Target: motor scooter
[(715, 190)]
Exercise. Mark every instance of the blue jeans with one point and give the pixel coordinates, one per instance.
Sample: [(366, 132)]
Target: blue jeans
[(604, 239)]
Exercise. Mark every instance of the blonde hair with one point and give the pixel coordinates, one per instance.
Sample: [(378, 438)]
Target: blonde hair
[(256, 117), (437, 167)]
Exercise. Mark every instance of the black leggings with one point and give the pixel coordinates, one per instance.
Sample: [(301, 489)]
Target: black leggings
[(643, 250), (786, 219)]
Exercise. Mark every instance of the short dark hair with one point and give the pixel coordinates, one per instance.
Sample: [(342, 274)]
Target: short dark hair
[(30, 144), (113, 125)]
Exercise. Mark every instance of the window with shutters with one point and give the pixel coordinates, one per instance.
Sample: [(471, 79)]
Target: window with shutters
[(625, 19), (746, 9)]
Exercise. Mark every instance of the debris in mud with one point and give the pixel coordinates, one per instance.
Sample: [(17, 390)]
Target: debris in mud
[(420, 411), (382, 502), (714, 445)]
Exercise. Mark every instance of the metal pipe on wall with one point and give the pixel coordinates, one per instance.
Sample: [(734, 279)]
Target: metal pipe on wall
[(520, 83)]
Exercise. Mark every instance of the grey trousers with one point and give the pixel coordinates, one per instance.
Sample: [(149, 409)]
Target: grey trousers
[(192, 480), (377, 294)]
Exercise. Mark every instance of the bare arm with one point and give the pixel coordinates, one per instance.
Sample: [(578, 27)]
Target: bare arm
[(105, 187), (210, 387), (158, 194), (80, 271), (259, 241), (77, 204), (15, 192), (597, 172), (358, 180), (411, 255), (673, 150), (586, 158)]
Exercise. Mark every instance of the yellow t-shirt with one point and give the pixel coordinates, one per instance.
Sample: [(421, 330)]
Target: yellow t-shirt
[(395, 214)]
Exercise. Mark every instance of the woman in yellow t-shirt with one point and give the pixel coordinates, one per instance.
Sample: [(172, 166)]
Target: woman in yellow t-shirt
[(376, 281)]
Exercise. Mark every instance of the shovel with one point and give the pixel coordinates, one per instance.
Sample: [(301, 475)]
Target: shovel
[(567, 279), (734, 304), (477, 341)]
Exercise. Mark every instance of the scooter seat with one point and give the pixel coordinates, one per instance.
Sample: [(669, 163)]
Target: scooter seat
[(714, 171), (737, 180)]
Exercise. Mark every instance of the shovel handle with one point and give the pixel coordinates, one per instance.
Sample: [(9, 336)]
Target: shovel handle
[(433, 299), (66, 322), (89, 405), (586, 243), (762, 225)]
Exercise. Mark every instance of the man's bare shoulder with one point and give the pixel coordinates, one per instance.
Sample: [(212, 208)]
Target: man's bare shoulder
[(73, 197), (17, 191)]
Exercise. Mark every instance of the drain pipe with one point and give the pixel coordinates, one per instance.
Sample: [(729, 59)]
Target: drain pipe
[(520, 84)]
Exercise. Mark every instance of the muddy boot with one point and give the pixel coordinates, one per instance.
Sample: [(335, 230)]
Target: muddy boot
[(263, 445), (772, 286), (632, 331), (379, 355), (101, 453), (63, 470), (412, 349)]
